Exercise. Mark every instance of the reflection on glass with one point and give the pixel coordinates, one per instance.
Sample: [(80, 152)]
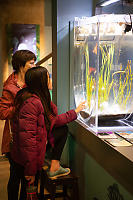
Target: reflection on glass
[(103, 71)]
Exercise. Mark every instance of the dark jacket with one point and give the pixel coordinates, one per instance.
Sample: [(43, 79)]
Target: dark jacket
[(30, 135)]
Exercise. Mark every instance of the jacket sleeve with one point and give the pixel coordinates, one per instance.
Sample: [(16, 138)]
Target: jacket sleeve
[(27, 137), (54, 108), (65, 118), (6, 104)]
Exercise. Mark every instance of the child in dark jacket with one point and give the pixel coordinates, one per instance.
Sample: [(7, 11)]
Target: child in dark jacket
[(35, 121)]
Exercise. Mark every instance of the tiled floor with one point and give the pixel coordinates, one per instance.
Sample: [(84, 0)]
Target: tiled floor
[(4, 174)]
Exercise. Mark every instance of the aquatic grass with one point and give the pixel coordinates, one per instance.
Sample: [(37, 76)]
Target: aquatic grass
[(114, 87), (125, 86), (89, 79), (104, 83)]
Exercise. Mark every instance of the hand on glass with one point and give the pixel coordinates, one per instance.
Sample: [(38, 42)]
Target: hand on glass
[(30, 179), (81, 106)]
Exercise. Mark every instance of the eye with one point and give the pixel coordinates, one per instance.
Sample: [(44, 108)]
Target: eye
[(32, 63)]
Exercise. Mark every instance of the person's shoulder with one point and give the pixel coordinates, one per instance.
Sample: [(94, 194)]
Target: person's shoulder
[(10, 78), (32, 106), (52, 104), (10, 85), (54, 108), (10, 82), (35, 98), (35, 101)]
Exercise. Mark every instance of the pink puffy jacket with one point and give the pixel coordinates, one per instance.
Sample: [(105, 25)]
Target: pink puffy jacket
[(10, 89), (30, 135)]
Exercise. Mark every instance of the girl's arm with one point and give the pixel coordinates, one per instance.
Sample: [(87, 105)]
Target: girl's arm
[(69, 116)]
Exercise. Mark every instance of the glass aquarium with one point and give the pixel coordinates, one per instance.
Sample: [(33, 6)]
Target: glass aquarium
[(103, 71)]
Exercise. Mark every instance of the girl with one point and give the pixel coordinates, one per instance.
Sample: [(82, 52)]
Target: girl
[(36, 121)]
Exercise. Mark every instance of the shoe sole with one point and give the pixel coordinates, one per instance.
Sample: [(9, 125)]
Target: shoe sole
[(45, 167), (59, 175)]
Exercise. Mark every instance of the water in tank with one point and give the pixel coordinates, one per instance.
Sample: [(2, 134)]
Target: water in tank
[(103, 70)]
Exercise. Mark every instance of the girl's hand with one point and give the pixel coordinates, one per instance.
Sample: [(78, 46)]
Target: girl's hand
[(30, 179), (80, 107)]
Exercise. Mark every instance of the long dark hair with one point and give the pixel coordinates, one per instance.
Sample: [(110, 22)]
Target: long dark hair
[(36, 80)]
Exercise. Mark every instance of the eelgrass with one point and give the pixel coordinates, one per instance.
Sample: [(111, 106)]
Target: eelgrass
[(104, 83), (114, 87), (122, 90)]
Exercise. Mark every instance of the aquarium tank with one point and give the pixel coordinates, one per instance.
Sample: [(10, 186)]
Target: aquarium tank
[(103, 71)]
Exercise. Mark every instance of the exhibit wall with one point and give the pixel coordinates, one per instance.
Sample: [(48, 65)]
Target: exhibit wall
[(18, 12), (94, 181)]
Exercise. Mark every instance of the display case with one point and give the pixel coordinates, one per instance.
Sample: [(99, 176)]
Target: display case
[(103, 71)]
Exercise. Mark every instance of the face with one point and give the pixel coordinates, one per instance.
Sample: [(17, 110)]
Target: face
[(29, 64), (49, 82)]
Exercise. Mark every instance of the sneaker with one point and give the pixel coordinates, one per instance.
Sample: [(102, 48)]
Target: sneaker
[(46, 164), (60, 172)]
